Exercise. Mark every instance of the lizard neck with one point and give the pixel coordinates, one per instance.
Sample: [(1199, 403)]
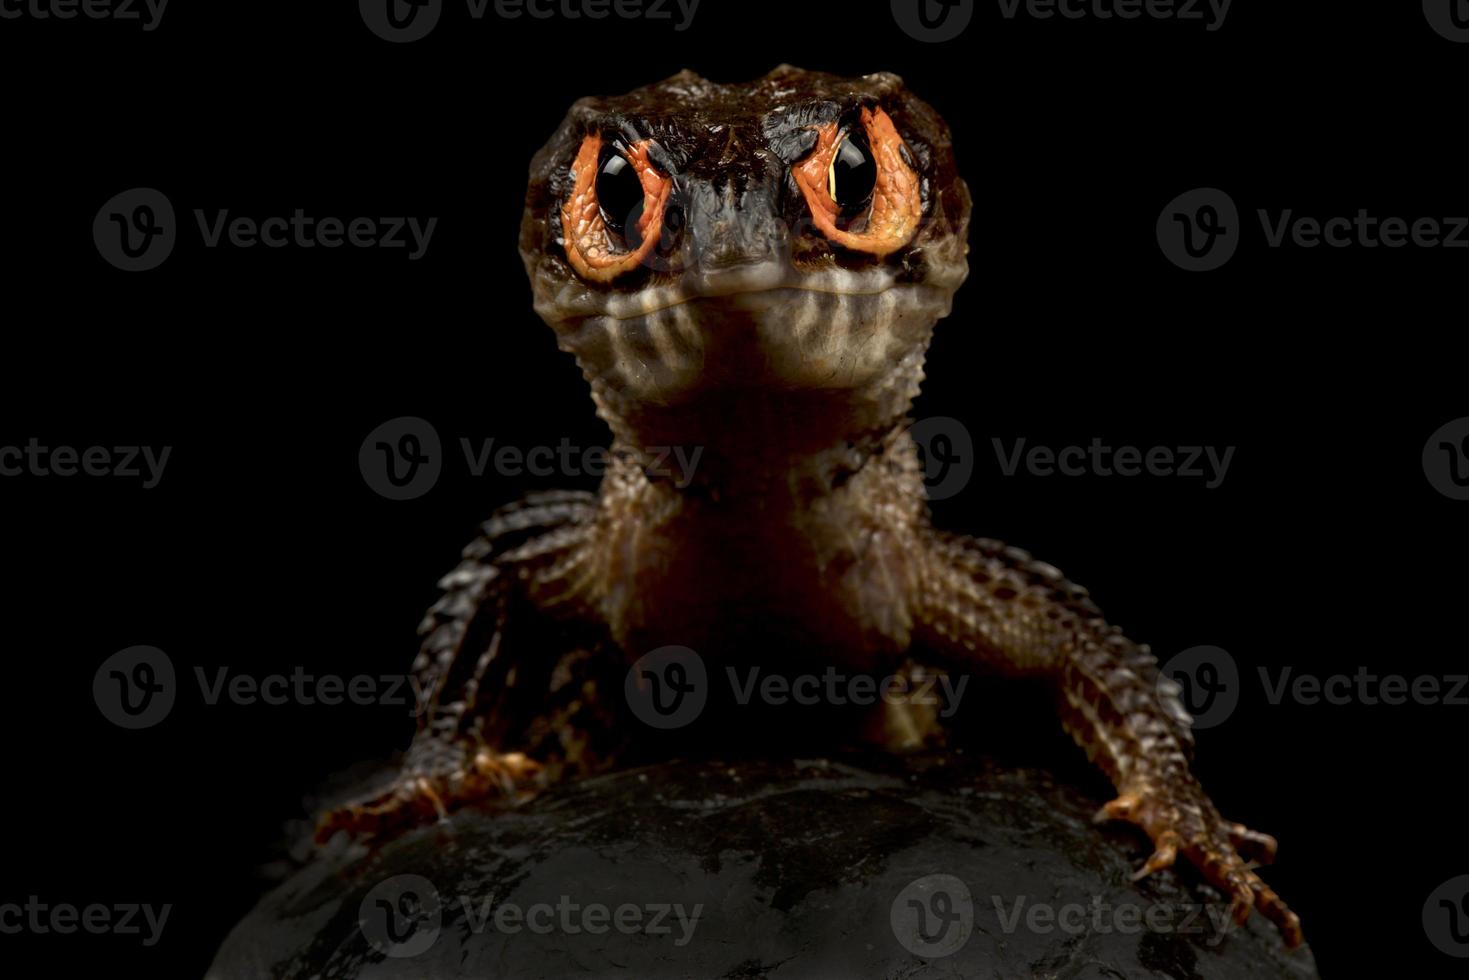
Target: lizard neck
[(770, 451), (800, 508)]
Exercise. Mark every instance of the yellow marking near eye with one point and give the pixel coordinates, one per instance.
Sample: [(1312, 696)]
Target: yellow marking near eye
[(831, 171)]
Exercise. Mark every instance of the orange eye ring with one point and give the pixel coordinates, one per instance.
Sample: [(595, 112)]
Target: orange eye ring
[(897, 198), (589, 246)]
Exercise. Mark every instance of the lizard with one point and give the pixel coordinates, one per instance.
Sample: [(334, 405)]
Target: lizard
[(756, 270)]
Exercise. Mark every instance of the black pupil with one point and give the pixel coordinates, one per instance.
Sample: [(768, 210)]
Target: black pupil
[(854, 175), (620, 195)]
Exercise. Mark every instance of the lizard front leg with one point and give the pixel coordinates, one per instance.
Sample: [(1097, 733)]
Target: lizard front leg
[(501, 710), (985, 602)]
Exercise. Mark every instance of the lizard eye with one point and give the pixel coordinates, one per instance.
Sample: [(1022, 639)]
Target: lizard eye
[(852, 175), (613, 217), (620, 197), (861, 187)]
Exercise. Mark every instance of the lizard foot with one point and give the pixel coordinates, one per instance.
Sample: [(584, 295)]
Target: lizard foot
[(1187, 824), (418, 797)]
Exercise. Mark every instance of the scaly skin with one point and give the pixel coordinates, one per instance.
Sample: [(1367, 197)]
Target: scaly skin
[(750, 318)]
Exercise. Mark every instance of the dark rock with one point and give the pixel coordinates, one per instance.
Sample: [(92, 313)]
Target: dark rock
[(798, 870)]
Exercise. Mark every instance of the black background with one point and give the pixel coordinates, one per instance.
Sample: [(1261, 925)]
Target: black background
[(263, 549)]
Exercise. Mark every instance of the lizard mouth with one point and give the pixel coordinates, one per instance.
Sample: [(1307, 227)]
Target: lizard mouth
[(746, 287), (769, 326)]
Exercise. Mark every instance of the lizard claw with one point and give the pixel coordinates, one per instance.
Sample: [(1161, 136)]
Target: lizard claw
[(409, 801), (1252, 844), (1186, 823), (1119, 809), (1163, 857), (418, 798)]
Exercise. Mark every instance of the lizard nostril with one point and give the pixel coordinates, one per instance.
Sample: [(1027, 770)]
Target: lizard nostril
[(736, 252), (754, 240)]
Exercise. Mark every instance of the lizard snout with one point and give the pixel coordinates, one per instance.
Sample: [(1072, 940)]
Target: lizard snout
[(730, 230)]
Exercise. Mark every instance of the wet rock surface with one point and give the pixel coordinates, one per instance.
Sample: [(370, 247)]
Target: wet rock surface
[(816, 869)]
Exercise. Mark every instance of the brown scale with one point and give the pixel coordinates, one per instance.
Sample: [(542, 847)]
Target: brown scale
[(788, 350)]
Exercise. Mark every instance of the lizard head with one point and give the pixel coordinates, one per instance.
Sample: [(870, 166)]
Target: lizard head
[(801, 233)]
